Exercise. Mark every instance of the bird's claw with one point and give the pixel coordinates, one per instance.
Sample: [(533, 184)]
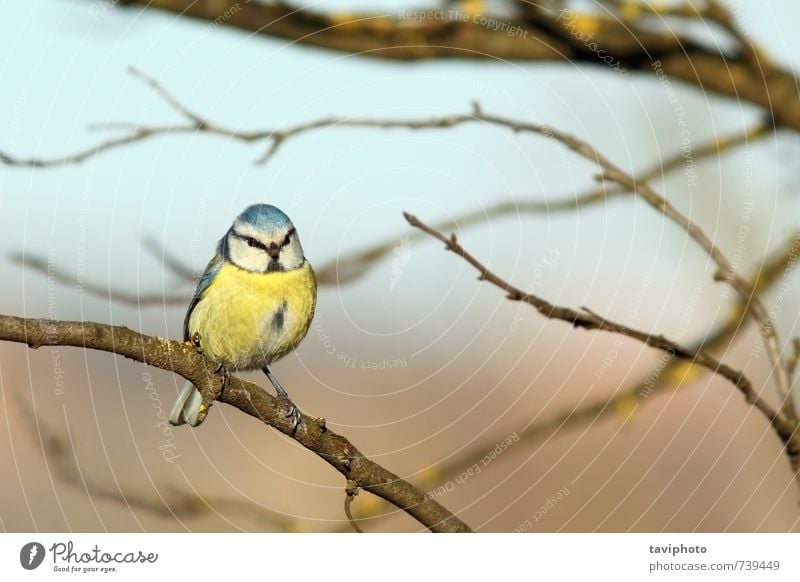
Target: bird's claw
[(283, 395), (293, 412), (226, 376)]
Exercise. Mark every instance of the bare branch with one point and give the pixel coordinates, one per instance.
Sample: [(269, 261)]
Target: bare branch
[(727, 273), (794, 357), (350, 267), (711, 148), (536, 34), (674, 371), (170, 261), (613, 173), (136, 133), (41, 265), (275, 138), (350, 492), (671, 371), (82, 155), (198, 121), (719, 13), (712, 11), (182, 359), (785, 428)]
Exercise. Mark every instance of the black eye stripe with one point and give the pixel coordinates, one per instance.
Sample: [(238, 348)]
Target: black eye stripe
[(255, 243), (250, 241), (288, 238)]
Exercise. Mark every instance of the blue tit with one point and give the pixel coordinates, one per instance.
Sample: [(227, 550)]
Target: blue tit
[(252, 306)]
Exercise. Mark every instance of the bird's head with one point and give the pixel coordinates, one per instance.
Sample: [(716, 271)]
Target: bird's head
[(262, 239)]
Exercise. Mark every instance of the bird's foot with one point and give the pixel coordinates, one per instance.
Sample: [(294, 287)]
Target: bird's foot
[(292, 412), (226, 376)]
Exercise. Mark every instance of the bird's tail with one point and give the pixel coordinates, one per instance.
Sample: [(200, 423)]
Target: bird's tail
[(187, 407)]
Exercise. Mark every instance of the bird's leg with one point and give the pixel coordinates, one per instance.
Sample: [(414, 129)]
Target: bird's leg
[(226, 376), (293, 411)]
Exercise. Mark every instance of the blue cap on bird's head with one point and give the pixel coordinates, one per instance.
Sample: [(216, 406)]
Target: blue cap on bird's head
[(264, 217)]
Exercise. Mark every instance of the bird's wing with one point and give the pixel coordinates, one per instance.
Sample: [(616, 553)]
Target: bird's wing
[(213, 267)]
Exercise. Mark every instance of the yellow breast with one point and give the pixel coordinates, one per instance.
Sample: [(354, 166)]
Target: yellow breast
[(248, 320)]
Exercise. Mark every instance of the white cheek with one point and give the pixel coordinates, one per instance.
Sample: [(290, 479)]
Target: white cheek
[(247, 257), (292, 256)]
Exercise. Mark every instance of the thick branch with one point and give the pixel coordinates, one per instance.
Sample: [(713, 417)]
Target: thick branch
[(183, 359), (538, 34)]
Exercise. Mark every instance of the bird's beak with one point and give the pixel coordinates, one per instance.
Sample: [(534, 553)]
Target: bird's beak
[(274, 253)]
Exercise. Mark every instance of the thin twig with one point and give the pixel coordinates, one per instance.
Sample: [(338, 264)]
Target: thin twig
[(170, 261), (136, 132), (350, 492), (275, 138), (588, 319), (658, 380), (794, 357), (727, 273), (199, 121), (41, 265), (641, 391)]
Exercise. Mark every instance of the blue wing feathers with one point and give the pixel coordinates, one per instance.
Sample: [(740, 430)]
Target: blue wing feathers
[(212, 269)]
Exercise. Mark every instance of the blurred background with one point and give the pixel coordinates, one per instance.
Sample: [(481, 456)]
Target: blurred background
[(416, 362)]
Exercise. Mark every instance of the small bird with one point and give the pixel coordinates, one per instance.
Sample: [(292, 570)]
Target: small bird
[(252, 306)]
